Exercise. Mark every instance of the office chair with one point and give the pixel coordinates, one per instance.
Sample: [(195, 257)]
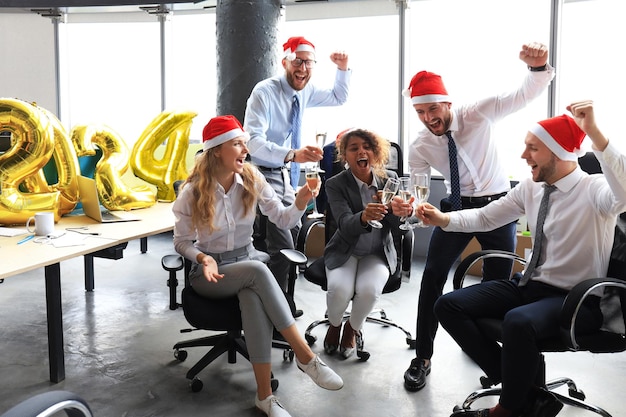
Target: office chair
[(609, 339), (331, 166), (221, 315), (51, 404), (316, 272)]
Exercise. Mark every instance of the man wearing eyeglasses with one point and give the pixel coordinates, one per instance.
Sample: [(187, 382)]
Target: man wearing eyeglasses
[(273, 118)]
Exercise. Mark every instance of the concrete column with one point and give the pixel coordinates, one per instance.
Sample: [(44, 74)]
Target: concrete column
[(247, 47)]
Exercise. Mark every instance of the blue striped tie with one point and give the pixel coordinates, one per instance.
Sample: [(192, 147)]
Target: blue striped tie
[(295, 140), (455, 183)]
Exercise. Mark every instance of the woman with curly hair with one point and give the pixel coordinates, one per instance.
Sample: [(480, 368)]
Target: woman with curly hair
[(215, 213), (357, 257)]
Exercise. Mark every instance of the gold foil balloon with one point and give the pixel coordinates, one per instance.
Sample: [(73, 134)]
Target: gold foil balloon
[(66, 165), (113, 192), (171, 128), (31, 148)]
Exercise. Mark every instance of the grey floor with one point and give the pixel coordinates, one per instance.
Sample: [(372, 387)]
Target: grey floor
[(119, 338)]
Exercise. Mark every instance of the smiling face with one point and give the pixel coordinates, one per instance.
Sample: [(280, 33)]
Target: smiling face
[(543, 163), (298, 77), (232, 155), (435, 116), (359, 155)]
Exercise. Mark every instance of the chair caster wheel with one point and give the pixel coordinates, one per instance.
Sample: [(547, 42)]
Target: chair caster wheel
[(288, 355), (363, 355), (181, 355), (456, 409), (196, 385), (578, 394), (486, 382), (411, 342), (274, 384), (310, 339)]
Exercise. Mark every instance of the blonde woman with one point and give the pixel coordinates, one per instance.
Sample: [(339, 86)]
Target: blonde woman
[(215, 213)]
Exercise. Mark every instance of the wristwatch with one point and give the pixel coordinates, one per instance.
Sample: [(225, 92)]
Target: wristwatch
[(290, 156), (537, 69)]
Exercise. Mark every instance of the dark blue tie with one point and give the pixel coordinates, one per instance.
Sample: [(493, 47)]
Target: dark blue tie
[(455, 184), (295, 140), (541, 217)]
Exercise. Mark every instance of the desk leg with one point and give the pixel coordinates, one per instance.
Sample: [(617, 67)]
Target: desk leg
[(55, 322), (89, 275), (144, 244)]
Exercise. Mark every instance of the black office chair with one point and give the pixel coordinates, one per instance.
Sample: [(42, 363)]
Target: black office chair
[(51, 404), (221, 315), (609, 339), (331, 166)]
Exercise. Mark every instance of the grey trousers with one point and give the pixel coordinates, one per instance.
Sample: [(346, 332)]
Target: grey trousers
[(274, 237), (262, 303)]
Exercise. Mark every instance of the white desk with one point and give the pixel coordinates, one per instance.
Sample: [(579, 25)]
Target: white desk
[(17, 259)]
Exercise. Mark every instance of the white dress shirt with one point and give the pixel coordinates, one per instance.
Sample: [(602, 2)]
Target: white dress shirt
[(480, 170), (268, 114), (580, 224), (233, 226)]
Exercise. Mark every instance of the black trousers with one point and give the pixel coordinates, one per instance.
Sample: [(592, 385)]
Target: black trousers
[(530, 314)]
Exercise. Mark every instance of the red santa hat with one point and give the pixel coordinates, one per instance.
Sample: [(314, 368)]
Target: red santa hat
[(297, 44), (562, 136), (221, 129), (426, 87)]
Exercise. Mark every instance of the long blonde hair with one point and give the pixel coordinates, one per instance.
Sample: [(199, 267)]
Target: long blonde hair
[(380, 149), (203, 182)]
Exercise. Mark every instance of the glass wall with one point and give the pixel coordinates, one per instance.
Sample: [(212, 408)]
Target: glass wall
[(111, 75), (111, 66), (474, 46), (591, 64), (372, 45), (191, 74)]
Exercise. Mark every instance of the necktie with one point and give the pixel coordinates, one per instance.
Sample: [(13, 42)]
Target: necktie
[(295, 140), (541, 217), (455, 185)]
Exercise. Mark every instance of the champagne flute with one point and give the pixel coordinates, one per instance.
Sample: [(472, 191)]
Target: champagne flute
[(312, 176), (320, 141), (390, 190), (406, 194), (422, 191)]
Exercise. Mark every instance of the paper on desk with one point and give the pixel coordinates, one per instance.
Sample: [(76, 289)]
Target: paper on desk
[(12, 231), (68, 239)]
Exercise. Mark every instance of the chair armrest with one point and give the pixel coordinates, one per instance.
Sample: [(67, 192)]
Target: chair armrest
[(472, 258), (574, 301), (172, 262), (49, 404)]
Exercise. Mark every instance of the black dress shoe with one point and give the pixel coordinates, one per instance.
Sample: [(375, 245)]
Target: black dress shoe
[(415, 376), (545, 404), (297, 313)]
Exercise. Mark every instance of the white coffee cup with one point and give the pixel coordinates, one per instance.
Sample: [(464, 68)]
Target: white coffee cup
[(44, 223)]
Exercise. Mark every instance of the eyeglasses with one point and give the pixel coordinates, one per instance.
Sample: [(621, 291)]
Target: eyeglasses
[(297, 62)]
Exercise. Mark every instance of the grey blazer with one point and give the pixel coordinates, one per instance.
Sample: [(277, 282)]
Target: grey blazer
[(345, 203)]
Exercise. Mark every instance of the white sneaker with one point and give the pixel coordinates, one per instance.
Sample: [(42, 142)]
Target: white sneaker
[(321, 374), (271, 407)]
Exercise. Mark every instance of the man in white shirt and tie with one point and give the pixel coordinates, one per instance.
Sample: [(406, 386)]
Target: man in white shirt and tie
[(466, 131), (582, 210), (274, 135)]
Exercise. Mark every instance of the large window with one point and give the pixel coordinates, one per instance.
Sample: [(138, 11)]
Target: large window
[(372, 45), (111, 75), (191, 70), (474, 46), (591, 66), (111, 65)]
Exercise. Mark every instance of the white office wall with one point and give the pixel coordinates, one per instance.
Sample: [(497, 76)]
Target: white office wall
[(27, 59)]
